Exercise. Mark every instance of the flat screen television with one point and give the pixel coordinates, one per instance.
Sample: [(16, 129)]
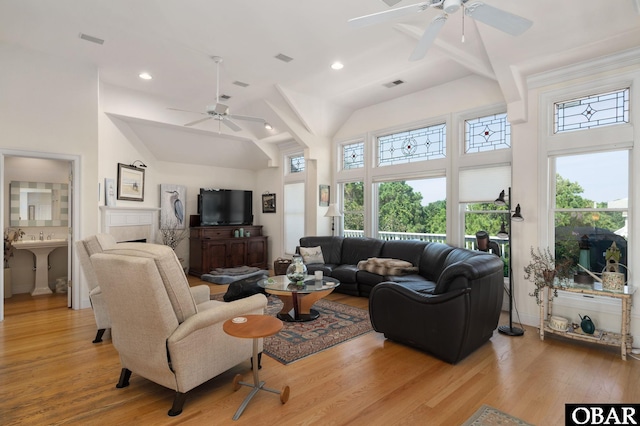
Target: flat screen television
[(225, 207)]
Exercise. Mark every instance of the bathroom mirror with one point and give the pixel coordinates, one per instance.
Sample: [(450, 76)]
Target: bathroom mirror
[(39, 204)]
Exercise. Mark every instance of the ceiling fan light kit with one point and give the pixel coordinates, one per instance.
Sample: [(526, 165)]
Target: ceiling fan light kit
[(451, 6), (220, 112)]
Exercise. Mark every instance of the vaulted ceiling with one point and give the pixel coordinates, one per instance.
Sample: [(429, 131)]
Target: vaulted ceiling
[(175, 40)]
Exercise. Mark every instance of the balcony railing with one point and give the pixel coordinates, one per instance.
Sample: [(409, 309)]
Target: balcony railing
[(469, 240)]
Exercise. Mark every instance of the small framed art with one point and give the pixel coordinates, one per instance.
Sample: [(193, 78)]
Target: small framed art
[(130, 183), (324, 195), (268, 203)]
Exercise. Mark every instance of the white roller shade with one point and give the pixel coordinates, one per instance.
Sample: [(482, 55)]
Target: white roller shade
[(483, 184)]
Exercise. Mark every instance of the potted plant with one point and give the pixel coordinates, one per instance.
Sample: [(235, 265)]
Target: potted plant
[(541, 271), (10, 236)]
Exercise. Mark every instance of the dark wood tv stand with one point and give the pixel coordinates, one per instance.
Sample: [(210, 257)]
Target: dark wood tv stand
[(212, 247)]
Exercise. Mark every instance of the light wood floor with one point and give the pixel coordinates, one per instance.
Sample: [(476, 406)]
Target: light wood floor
[(51, 373)]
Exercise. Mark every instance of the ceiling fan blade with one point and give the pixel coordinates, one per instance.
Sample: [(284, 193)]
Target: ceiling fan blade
[(230, 124), (428, 37), (387, 15), (246, 118), (498, 18), (198, 121), (186, 110)]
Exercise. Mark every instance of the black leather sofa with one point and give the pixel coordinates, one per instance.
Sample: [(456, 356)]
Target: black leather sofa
[(449, 307)]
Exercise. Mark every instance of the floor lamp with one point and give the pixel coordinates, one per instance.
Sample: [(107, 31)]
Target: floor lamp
[(333, 212), (509, 330)]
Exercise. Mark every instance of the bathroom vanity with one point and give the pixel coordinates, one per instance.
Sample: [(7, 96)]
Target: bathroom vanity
[(41, 250)]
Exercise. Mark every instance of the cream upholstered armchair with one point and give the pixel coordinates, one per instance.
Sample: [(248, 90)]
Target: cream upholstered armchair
[(158, 329), (98, 244)]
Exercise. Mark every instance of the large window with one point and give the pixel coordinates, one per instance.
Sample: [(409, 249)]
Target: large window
[(479, 188), (353, 209), (412, 209), (591, 209)]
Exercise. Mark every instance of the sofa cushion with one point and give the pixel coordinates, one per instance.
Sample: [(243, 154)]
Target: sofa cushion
[(311, 254), (432, 261), (331, 247), (404, 249), (370, 279), (326, 268), (356, 249), (345, 273)]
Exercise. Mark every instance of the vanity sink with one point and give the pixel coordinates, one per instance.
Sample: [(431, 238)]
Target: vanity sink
[(41, 250), (31, 244)]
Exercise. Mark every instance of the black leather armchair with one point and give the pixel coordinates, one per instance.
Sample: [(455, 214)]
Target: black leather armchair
[(449, 318)]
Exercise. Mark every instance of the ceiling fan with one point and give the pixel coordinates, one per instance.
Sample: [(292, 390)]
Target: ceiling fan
[(492, 16), (220, 112)]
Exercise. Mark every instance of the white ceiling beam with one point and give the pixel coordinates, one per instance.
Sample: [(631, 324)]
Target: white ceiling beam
[(477, 64)]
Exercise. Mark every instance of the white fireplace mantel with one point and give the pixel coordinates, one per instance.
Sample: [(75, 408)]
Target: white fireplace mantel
[(129, 223)]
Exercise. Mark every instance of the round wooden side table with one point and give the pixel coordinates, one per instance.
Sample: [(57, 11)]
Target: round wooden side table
[(254, 327)]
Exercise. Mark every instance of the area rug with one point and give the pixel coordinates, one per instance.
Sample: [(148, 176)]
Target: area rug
[(489, 416), (337, 324)]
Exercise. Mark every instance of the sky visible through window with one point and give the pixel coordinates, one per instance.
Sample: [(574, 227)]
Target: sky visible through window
[(596, 172), (587, 170)]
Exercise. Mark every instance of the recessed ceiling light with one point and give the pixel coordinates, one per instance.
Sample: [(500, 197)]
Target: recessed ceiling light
[(268, 126), (145, 76), (337, 65)]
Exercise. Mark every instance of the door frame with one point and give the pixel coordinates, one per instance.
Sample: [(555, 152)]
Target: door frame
[(74, 217)]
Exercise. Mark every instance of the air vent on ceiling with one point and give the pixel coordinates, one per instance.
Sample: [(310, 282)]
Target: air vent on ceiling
[(283, 58), (92, 39), (225, 97), (241, 84), (393, 83)]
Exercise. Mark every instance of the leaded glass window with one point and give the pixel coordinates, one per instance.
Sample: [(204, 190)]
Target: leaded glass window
[(353, 156), (296, 164), (599, 110), (489, 133), (427, 143)]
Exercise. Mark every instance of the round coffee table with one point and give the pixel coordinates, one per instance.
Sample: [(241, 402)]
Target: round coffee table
[(254, 327), (297, 300)]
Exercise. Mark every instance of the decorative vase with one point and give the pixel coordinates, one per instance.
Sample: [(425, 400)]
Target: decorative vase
[(297, 270)]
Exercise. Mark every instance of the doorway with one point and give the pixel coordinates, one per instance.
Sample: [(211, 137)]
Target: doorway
[(41, 167)]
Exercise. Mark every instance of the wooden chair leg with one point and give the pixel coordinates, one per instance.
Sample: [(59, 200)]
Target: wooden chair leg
[(99, 334), (125, 374), (178, 403)]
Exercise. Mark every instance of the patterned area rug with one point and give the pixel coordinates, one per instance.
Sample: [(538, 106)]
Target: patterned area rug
[(489, 416), (337, 323)]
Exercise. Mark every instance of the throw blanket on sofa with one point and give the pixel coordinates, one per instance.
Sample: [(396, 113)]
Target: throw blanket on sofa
[(385, 266)]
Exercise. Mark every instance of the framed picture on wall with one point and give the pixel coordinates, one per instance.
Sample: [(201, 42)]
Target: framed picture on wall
[(268, 203), (130, 183), (172, 201), (109, 192), (324, 196)]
